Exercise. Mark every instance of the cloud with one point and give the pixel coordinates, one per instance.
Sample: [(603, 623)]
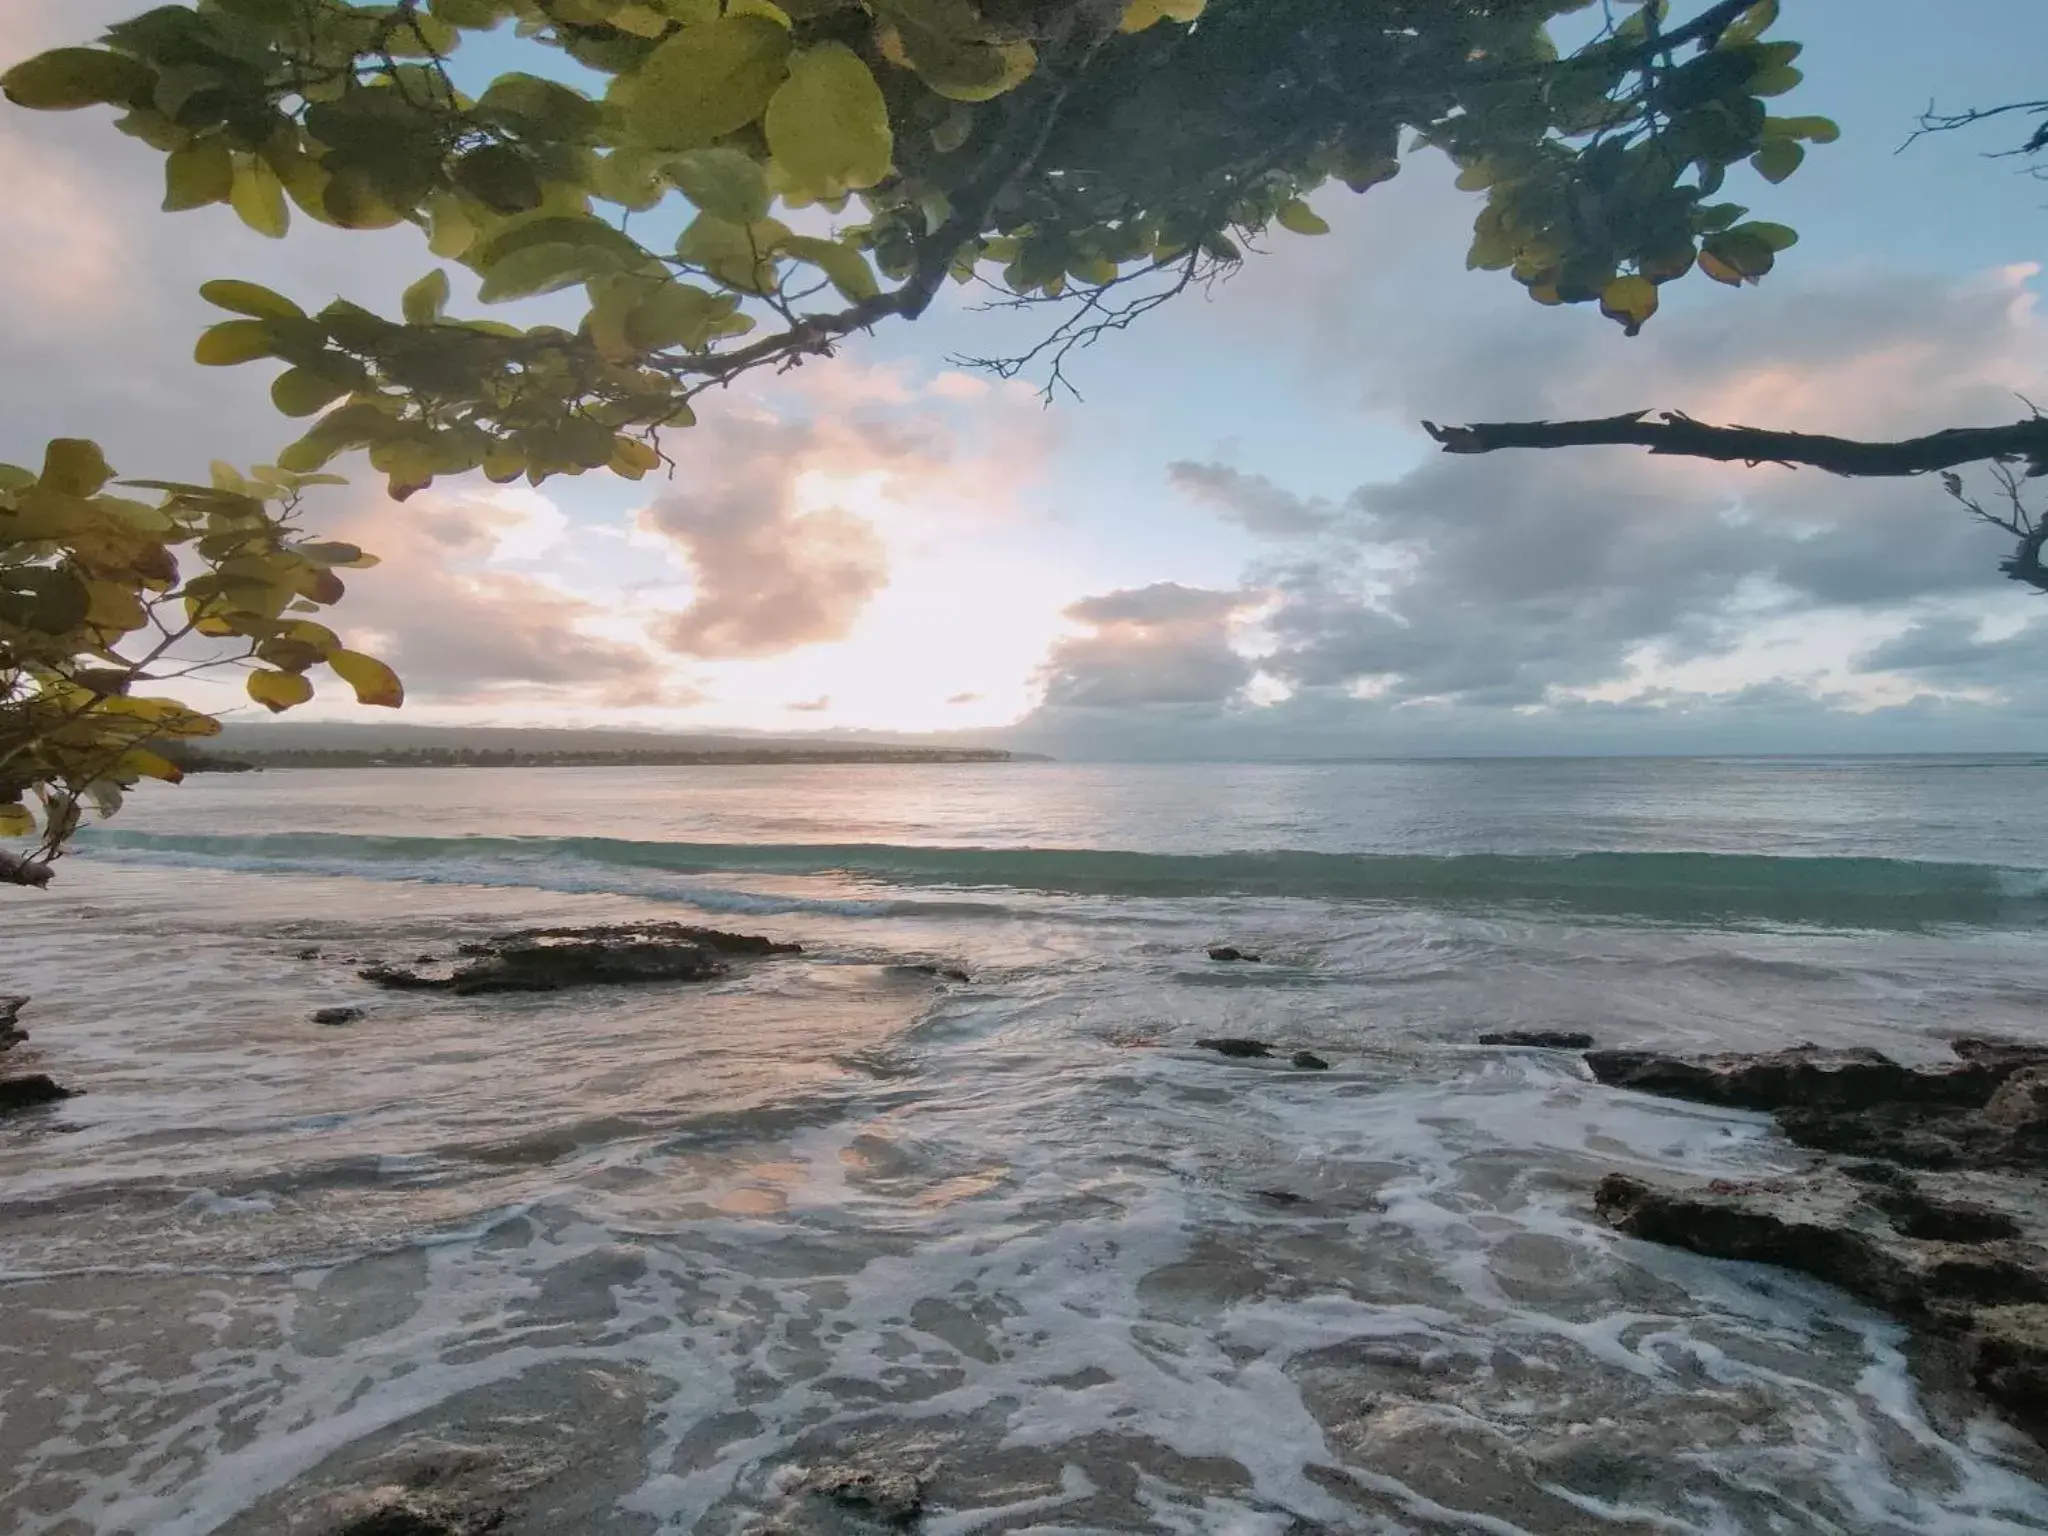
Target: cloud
[(458, 630), (1251, 500), (815, 706), (1165, 644), (959, 699)]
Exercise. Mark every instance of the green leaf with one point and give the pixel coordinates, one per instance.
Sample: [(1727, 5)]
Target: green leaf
[(426, 299), (1778, 159), (828, 126), (1751, 24), (249, 299), (1815, 130), (74, 466), (279, 691), (1302, 219), (1777, 236), (677, 315), (703, 82), (68, 78), (845, 265), (499, 177), (544, 269), (233, 341), (739, 255), (724, 183), (202, 172), (300, 392), (371, 678), (258, 197)]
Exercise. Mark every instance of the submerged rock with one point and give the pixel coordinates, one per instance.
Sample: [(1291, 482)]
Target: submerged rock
[(1806, 1076), (1230, 1045), (1226, 952), (892, 1495), (549, 959), (31, 1091), (1309, 1061), (337, 1015), (1959, 1249), (11, 1033), (1542, 1039), (927, 968)]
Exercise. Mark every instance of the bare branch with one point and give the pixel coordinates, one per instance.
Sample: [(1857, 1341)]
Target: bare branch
[(1672, 432)]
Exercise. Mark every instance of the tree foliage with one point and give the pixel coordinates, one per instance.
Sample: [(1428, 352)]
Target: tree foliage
[(716, 186), (735, 184), (102, 595)]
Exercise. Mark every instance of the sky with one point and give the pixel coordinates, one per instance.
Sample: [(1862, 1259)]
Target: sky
[(1238, 543)]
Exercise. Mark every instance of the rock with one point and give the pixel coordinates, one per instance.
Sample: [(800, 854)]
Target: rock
[(1281, 1197), (309, 953), (2021, 1100), (1309, 1061), (1800, 1077), (1918, 1136), (1225, 952), (2006, 1353), (425, 960), (893, 1495), (1918, 1256), (926, 968), (11, 1033), (28, 1092), (337, 1015), (1542, 1039), (1232, 1046), (549, 959)]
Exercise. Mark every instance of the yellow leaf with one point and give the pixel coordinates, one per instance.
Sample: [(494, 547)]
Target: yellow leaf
[(640, 20), (1302, 219), (1140, 14), (424, 300), (143, 763), (373, 682), (632, 458), (279, 691), (17, 821), (231, 342), (74, 466), (249, 299), (1631, 300), (114, 608), (703, 82), (65, 79), (847, 267), (258, 197), (739, 255), (828, 126)]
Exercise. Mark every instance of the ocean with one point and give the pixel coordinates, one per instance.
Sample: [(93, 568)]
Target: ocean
[(630, 1259)]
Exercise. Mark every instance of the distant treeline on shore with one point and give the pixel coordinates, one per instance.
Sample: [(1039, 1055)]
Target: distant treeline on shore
[(195, 761)]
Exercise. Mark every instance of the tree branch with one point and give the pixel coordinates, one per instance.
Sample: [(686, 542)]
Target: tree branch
[(1672, 432)]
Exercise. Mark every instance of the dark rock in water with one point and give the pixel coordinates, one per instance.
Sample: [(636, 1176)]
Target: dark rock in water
[(940, 972), (11, 1033), (1309, 1061), (1281, 1196), (337, 1015), (1801, 1077), (426, 960), (29, 1092), (2006, 1352), (309, 953), (549, 959), (2021, 1101), (892, 1495), (1918, 1136), (1543, 1039), (1225, 952), (1232, 1046)]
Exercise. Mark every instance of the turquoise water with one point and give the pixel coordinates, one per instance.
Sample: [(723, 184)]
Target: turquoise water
[(1016, 1225)]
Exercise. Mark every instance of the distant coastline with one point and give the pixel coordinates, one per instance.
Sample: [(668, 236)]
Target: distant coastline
[(651, 757)]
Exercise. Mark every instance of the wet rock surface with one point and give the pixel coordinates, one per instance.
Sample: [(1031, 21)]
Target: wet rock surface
[(1230, 954), (1235, 1047), (11, 1032), (1540, 1039), (337, 1015), (31, 1092), (1309, 1061), (1942, 1219), (551, 959)]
